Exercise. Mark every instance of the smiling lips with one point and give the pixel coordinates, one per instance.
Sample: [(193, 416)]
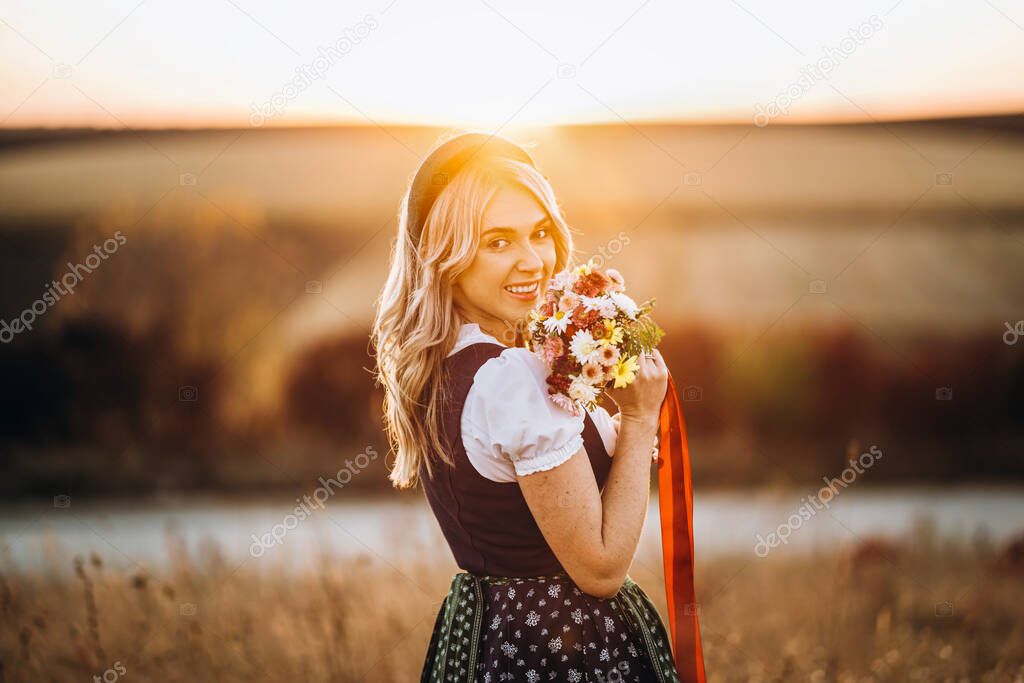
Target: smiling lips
[(525, 292)]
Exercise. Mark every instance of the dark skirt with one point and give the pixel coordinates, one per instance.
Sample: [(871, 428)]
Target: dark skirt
[(544, 628)]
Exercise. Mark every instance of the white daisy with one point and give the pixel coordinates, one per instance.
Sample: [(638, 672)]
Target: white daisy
[(606, 306), (625, 304), (591, 303), (580, 390), (558, 322), (584, 347)]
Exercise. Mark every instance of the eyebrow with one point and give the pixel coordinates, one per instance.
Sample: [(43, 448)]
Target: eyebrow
[(539, 223)]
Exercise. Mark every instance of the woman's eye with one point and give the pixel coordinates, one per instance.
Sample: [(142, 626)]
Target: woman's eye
[(498, 243)]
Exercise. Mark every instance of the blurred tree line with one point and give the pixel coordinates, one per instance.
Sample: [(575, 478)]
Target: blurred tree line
[(131, 385)]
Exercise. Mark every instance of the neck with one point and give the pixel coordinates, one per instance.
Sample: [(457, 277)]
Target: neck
[(509, 335), (503, 333)]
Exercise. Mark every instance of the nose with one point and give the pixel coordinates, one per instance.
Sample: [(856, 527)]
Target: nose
[(529, 260)]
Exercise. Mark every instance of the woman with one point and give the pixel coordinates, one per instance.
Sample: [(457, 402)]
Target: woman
[(541, 519)]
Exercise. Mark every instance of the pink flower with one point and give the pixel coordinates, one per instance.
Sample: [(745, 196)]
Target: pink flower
[(593, 373), (553, 349), (568, 302), (566, 403), (608, 355), (618, 283)]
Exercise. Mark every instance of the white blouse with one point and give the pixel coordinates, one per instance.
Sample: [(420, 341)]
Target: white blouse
[(509, 425)]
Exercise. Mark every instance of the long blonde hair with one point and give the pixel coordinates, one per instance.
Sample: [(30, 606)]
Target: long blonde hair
[(416, 324)]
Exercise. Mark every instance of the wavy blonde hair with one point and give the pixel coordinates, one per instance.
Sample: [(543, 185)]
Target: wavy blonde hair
[(416, 324)]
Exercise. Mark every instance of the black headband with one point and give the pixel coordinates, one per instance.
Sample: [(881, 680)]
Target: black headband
[(444, 162)]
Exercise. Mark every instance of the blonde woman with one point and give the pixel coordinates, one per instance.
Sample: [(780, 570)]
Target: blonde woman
[(541, 520)]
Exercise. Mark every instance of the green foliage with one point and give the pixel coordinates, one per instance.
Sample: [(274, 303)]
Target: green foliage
[(643, 334)]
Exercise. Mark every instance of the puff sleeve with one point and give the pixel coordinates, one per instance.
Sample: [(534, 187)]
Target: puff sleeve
[(509, 417)]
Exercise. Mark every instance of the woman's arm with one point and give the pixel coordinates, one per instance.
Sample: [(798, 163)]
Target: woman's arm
[(593, 534)]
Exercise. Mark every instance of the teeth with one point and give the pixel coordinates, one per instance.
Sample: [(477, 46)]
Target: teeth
[(523, 289)]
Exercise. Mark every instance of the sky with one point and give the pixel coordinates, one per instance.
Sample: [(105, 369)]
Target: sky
[(236, 63)]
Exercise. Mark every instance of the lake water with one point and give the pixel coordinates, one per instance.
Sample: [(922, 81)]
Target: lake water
[(35, 535)]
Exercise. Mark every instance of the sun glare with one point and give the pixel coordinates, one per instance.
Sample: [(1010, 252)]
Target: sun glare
[(193, 64)]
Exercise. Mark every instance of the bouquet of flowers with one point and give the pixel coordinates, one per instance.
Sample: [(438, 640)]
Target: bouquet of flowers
[(590, 335)]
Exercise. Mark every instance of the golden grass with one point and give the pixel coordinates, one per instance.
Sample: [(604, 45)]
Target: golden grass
[(873, 613)]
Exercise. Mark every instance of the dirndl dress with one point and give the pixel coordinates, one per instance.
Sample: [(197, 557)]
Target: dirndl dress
[(544, 628)]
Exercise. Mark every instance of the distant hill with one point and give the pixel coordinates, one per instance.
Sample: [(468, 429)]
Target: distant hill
[(328, 175)]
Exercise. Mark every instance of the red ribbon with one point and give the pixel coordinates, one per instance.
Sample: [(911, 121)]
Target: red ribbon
[(675, 505)]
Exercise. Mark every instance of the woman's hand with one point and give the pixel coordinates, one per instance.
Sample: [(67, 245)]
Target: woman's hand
[(641, 400)]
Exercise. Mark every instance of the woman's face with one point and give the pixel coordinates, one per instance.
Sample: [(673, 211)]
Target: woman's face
[(516, 251)]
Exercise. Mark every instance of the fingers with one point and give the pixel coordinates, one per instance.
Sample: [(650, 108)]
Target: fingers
[(651, 365), (652, 362), (656, 368)]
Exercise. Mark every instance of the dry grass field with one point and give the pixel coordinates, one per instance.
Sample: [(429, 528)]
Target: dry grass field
[(922, 610)]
